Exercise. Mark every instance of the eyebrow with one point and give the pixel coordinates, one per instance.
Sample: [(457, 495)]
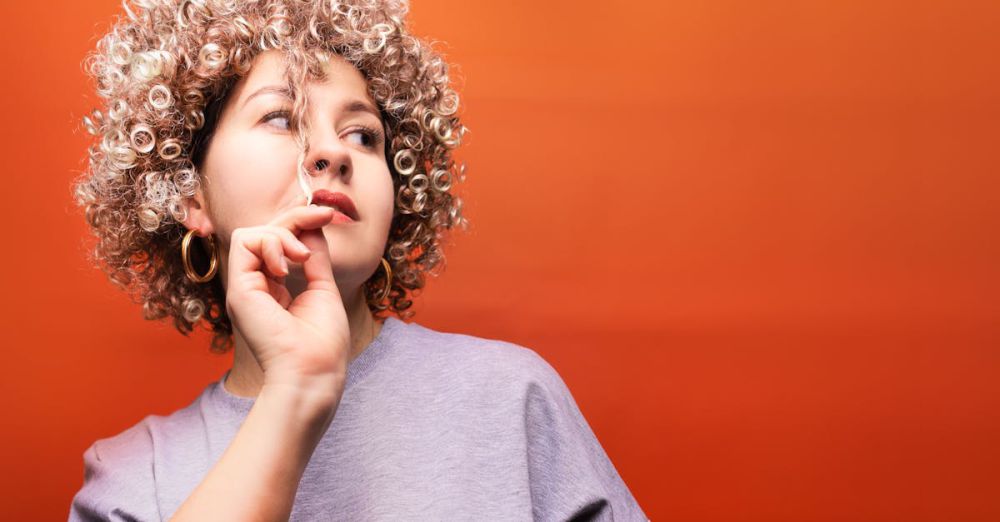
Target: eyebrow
[(360, 106), (270, 89), (351, 106)]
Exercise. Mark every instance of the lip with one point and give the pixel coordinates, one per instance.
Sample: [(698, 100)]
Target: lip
[(340, 200)]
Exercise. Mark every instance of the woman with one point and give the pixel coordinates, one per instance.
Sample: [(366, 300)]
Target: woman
[(281, 171)]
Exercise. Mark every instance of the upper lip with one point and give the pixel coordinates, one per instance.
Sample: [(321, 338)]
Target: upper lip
[(336, 199)]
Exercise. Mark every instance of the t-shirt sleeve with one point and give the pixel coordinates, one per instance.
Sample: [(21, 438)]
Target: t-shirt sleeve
[(571, 476), (117, 481)]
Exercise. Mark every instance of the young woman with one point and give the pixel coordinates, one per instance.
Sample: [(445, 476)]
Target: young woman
[(281, 172)]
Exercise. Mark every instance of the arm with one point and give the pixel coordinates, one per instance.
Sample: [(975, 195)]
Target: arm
[(257, 476), (302, 344)]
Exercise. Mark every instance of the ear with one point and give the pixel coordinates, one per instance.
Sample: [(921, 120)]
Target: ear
[(197, 214)]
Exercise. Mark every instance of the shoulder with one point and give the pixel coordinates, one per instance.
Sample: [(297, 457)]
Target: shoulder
[(118, 477), (571, 477), (129, 449), (479, 359), (119, 471), (133, 447)]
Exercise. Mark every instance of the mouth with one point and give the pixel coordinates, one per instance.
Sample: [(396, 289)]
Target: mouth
[(337, 201)]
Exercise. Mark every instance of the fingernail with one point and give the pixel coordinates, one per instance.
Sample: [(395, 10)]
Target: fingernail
[(284, 265)]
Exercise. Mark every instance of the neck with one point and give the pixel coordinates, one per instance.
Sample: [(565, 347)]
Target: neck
[(246, 378)]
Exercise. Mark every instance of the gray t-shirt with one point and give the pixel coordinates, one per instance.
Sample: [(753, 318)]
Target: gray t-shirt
[(431, 426)]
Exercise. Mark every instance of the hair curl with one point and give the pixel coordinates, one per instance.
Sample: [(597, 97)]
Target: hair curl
[(165, 69)]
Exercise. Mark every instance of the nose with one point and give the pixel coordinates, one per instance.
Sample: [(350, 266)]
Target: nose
[(327, 155)]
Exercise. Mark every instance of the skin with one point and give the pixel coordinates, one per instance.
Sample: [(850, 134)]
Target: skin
[(292, 278), (249, 179)]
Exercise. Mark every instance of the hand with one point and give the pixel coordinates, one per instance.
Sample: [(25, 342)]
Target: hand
[(301, 344)]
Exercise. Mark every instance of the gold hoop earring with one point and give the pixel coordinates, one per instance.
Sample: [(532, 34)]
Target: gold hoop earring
[(388, 280), (213, 264)]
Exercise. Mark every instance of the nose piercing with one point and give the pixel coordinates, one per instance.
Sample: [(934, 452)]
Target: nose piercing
[(321, 164)]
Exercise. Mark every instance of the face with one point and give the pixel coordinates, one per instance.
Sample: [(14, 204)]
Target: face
[(249, 174)]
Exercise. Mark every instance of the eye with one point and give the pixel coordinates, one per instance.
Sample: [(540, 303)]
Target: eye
[(367, 137), (280, 116)]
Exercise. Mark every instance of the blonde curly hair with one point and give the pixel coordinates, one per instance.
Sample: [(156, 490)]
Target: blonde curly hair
[(165, 69)]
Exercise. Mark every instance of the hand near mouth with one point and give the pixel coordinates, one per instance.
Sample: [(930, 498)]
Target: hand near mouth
[(301, 343)]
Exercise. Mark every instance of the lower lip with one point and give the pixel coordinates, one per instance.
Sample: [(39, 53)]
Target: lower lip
[(340, 218)]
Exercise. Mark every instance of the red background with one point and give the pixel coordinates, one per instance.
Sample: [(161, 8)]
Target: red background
[(757, 239)]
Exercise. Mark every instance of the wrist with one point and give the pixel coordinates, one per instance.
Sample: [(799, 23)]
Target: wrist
[(310, 402), (305, 380)]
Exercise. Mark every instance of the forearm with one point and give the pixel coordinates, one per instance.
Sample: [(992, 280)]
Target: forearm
[(257, 476)]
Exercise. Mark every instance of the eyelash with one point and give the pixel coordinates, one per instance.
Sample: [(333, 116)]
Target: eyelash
[(373, 134)]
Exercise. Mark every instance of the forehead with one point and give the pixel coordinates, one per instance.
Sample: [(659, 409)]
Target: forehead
[(268, 69)]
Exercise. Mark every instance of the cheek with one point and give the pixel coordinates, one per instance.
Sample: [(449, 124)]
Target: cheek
[(248, 175), (373, 182), (386, 196)]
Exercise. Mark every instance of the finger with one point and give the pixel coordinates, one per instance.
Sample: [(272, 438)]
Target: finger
[(297, 219), (273, 254), (248, 252), (321, 294), (242, 258), (318, 268), (293, 248), (280, 293)]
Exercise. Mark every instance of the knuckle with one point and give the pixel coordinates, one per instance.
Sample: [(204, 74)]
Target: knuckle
[(277, 229), (283, 233), (248, 235)]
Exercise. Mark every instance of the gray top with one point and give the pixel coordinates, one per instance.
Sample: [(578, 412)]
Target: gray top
[(431, 426)]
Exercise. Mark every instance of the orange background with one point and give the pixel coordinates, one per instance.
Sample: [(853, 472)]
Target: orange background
[(757, 239)]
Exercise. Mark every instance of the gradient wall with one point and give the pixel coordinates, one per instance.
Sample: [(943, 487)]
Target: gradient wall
[(757, 239)]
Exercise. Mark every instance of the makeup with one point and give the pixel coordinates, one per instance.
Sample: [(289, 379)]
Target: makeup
[(346, 211)]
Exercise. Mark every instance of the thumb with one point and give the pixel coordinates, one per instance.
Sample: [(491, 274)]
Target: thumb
[(318, 268)]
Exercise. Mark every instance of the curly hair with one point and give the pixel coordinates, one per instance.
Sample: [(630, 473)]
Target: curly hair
[(165, 69)]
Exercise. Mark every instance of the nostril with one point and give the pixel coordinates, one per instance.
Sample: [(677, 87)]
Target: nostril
[(321, 164)]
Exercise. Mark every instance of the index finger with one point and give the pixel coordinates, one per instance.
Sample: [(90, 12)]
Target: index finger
[(303, 217)]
